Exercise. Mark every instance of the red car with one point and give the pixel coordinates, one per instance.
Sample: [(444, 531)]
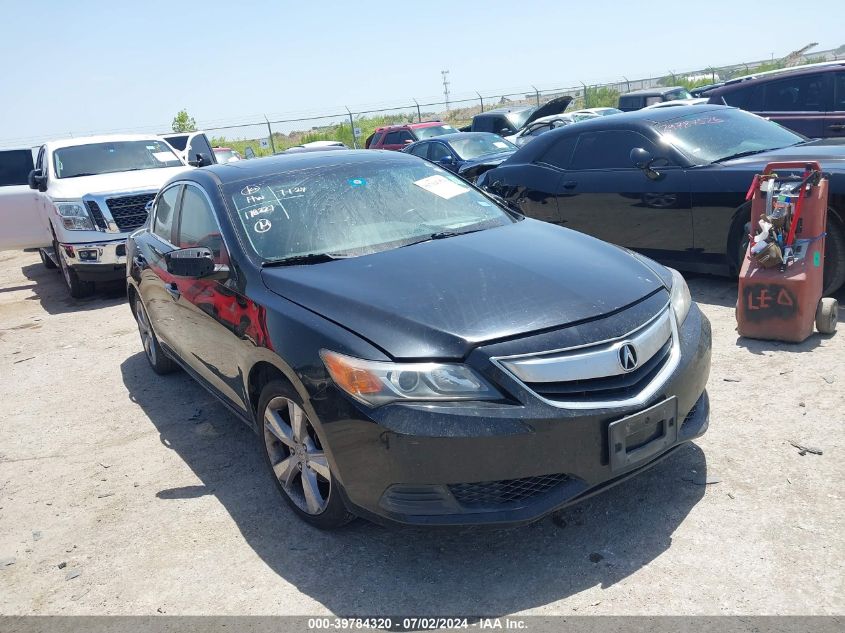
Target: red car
[(397, 137)]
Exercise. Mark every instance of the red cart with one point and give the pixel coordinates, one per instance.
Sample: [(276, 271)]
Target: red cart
[(781, 280)]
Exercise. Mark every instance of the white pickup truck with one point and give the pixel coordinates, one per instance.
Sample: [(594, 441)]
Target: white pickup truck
[(81, 201)]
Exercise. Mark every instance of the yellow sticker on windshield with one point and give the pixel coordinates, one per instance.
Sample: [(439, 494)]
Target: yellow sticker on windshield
[(441, 186)]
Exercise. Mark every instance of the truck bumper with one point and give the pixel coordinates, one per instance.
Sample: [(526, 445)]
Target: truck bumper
[(96, 261)]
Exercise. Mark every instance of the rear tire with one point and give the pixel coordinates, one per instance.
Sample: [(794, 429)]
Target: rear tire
[(296, 460), (827, 314), (49, 264), (834, 255)]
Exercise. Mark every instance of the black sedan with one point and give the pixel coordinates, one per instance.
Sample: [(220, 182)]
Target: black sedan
[(668, 182), (408, 350), (468, 154)]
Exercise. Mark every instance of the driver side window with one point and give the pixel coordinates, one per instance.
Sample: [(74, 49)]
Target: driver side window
[(162, 225), (438, 151), (609, 150), (198, 226)]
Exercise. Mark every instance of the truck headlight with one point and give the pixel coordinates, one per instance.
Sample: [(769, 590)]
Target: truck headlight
[(377, 382), (680, 297), (74, 215)]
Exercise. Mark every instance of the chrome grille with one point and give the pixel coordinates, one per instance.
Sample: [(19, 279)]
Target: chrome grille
[(96, 215), (129, 212), (493, 493), (592, 376)]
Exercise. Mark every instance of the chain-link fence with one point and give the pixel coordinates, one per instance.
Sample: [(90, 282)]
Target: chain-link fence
[(352, 125)]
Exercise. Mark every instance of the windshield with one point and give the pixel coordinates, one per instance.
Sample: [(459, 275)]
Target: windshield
[(681, 93), (356, 207), (225, 156), (107, 158), (434, 130), (519, 118), (711, 136), (479, 144)]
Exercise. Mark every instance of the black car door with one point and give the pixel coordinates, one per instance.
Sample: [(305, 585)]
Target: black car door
[(602, 193), (152, 245), (212, 317), (441, 154)]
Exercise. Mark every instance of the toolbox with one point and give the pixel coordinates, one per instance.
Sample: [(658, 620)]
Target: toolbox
[(781, 279)]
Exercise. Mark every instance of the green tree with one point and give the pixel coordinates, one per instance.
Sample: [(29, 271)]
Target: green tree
[(183, 122), (600, 97)]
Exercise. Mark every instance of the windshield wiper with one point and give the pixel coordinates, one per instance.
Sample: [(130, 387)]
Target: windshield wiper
[(750, 152), (310, 258), (440, 235)]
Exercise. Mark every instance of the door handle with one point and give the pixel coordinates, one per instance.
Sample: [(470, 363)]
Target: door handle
[(173, 290), (837, 127), (570, 184)]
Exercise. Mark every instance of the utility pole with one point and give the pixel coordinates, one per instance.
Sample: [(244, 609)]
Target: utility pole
[(445, 75)]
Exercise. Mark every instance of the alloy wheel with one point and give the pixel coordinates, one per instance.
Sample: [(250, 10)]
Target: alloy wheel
[(298, 460)]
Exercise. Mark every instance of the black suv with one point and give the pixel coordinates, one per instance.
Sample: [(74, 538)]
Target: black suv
[(409, 350), (638, 99), (809, 99)]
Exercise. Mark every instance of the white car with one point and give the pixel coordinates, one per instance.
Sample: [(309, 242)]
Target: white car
[(546, 123), (599, 111), (82, 200), (678, 102)]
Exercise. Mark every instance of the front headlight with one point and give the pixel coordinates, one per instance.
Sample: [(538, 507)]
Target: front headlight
[(74, 216), (679, 297), (377, 382)]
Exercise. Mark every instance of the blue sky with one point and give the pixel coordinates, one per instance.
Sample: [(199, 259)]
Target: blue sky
[(88, 66)]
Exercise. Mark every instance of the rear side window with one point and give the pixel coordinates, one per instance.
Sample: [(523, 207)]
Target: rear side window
[(559, 154), (398, 137), (796, 94), (608, 150), (839, 93), (420, 150), (488, 124), (376, 138), (630, 103), (15, 166), (163, 222)]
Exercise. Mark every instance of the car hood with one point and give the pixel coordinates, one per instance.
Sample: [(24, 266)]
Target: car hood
[(441, 298), (487, 159), (117, 182), (829, 152), (555, 106)]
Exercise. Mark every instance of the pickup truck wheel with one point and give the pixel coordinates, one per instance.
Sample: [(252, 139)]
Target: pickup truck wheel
[(160, 363), (48, 263), (77, 289), (296, 459)]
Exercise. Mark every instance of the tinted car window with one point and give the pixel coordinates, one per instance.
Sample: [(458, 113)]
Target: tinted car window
[(199, 146), (434, 130), (490, 123), (802, 93), (196, 220), (839, 93), (559, 154), (438, 151), (612, 149), (393, 138), (179, 142), (420, 150), (15, 166), (163, 222), (376, 138)]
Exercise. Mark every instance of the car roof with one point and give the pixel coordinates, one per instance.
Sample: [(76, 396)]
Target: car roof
[(103, 138), (413, 126), (271, 165), (779, 73), (657, 90), (506, 110)]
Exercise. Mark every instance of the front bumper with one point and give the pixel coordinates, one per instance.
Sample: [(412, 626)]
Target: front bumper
[(96, 261), (496, 463)]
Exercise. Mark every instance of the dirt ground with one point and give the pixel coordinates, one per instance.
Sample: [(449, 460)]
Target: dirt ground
[(122, 492)]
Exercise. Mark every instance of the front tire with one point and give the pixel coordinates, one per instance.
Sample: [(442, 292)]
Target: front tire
[(78, 289), (296, 459), (48, 263)]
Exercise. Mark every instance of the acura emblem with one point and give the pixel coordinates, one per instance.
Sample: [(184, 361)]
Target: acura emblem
[(628, 357)]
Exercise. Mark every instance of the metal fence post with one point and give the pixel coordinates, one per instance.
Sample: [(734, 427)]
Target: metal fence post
[(419, 114), (352, 128), (270, 135), (627, 82), (586, 98), (537, 95), (481, 99)]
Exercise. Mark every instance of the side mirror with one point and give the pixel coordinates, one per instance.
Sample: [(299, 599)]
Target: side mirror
[(37, 180), (447, 161), (642, 159), (190, 262), (201, 161)]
